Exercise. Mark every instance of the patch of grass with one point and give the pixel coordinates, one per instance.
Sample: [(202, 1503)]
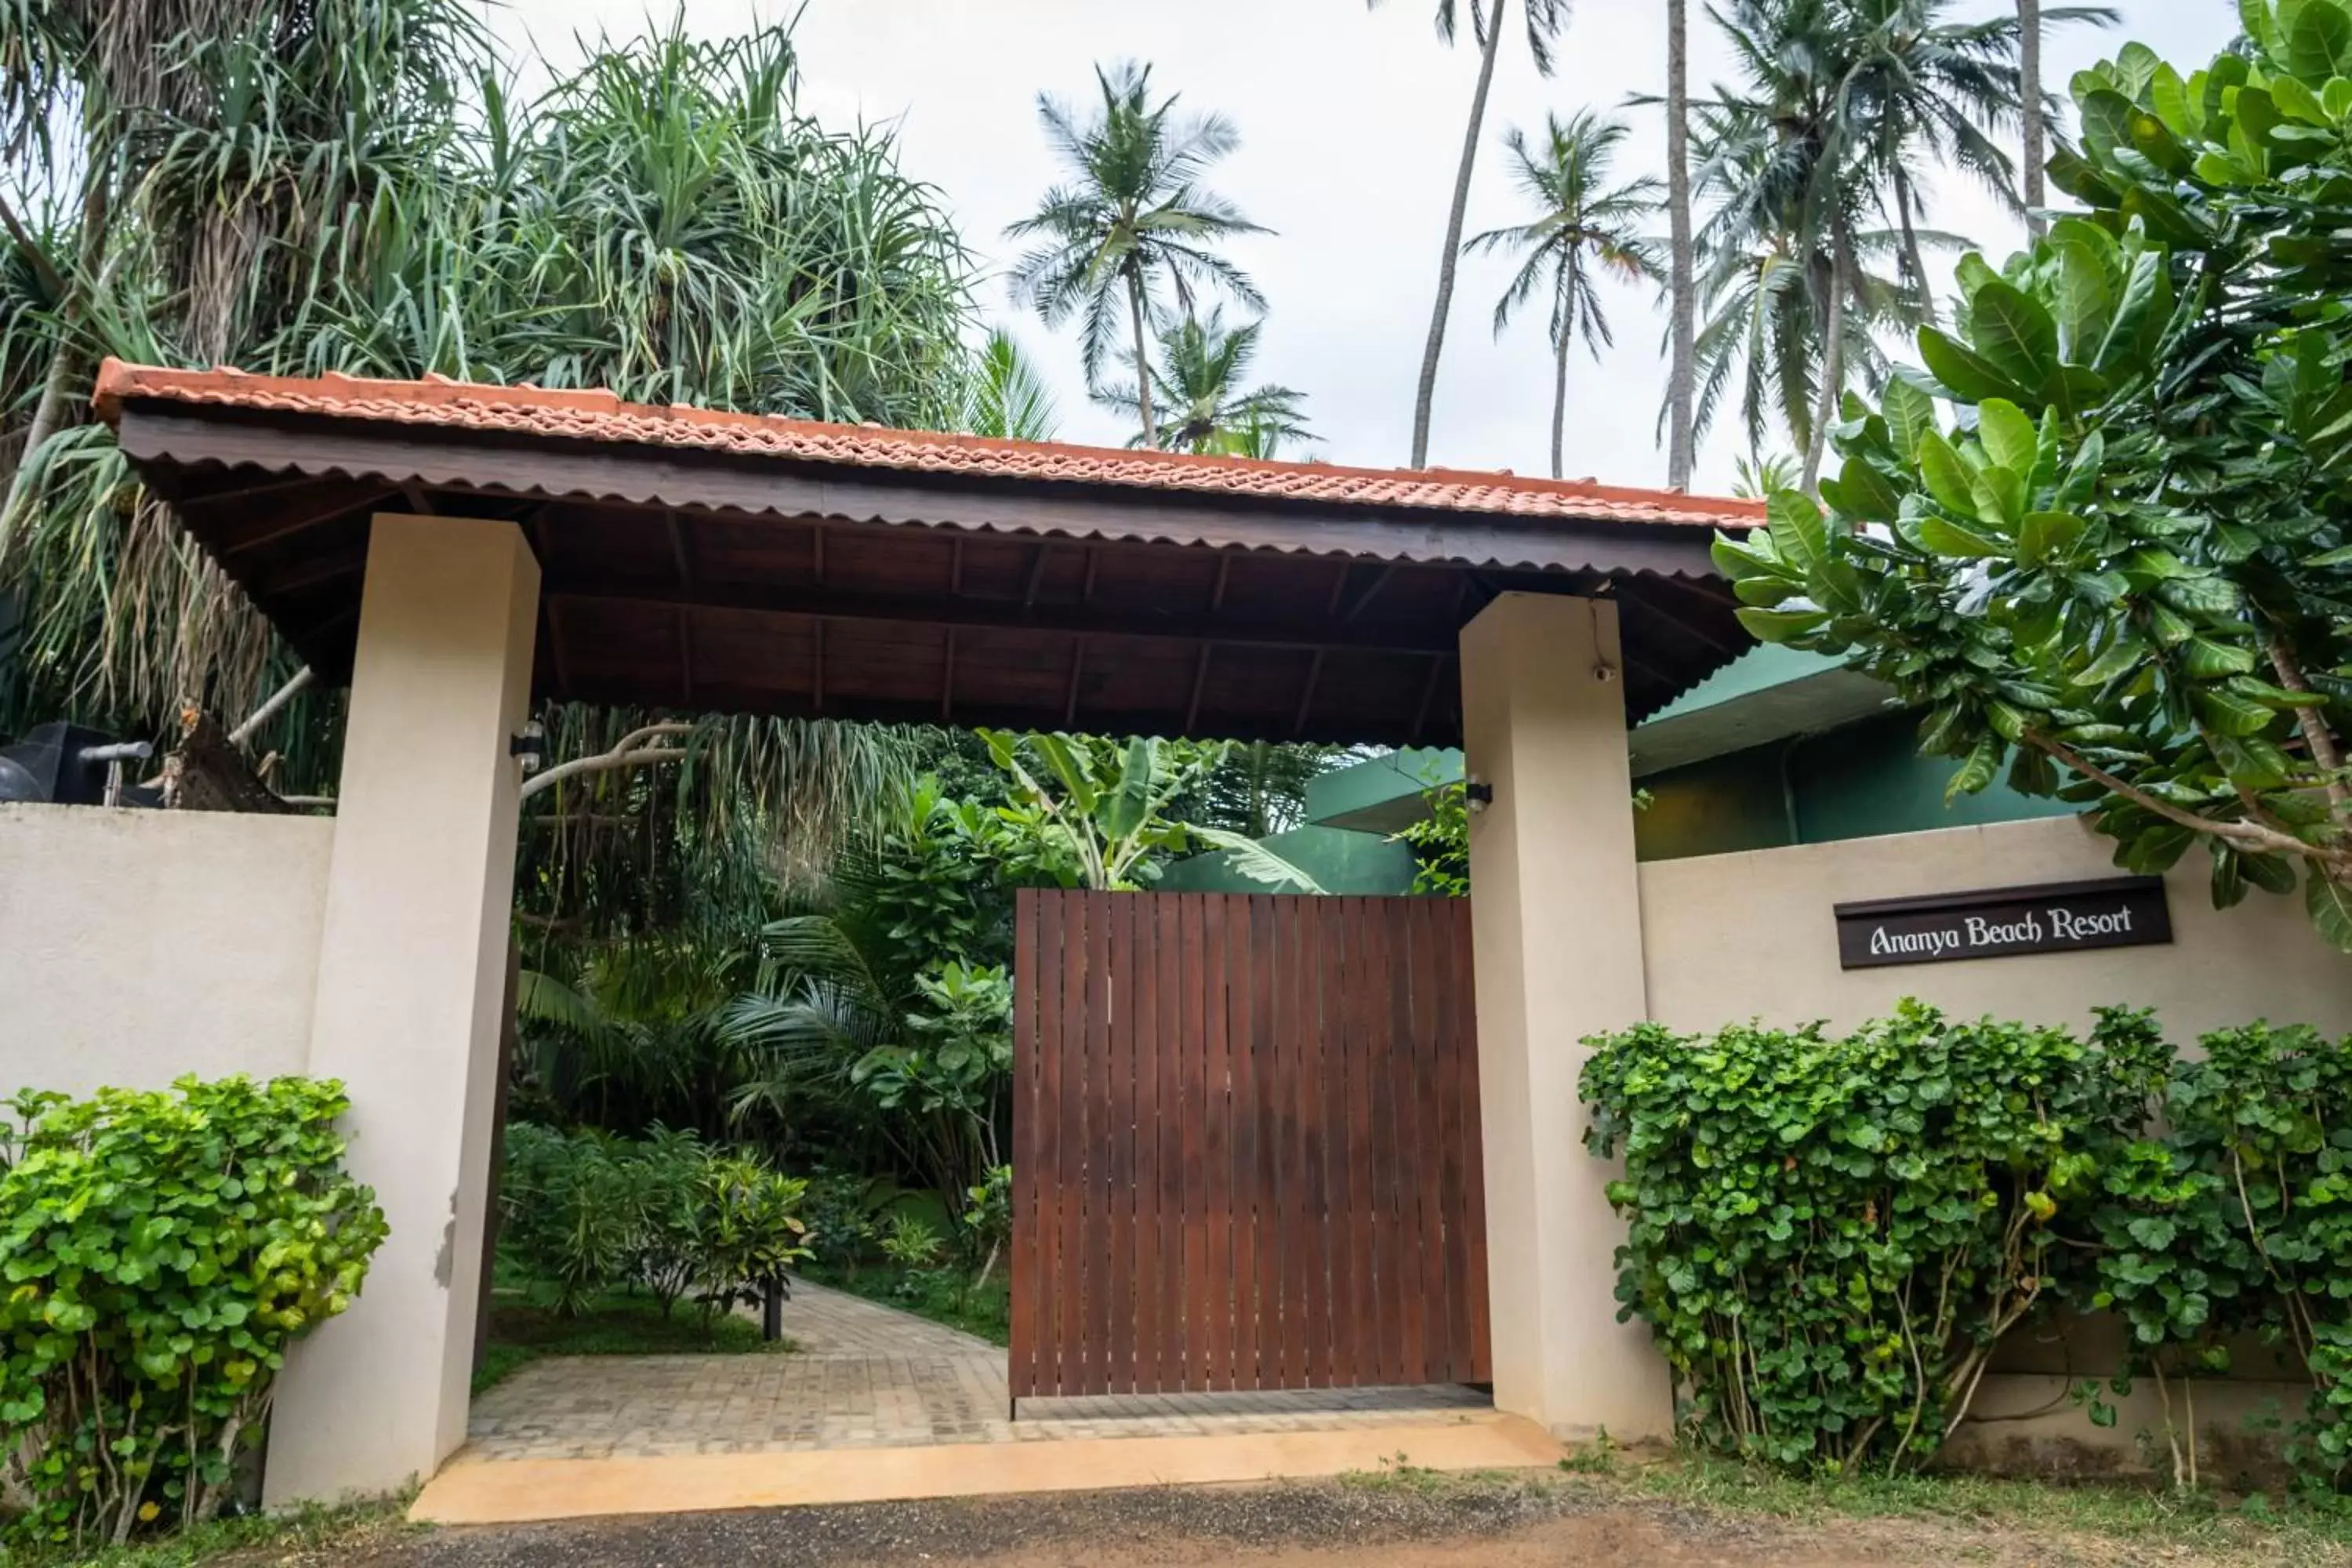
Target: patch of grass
[(314, 1534), (613, 1324), (2294, 1530), (943, 1295)]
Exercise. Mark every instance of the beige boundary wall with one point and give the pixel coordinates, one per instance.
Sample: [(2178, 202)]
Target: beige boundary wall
[(1728, 937), (137, 946)]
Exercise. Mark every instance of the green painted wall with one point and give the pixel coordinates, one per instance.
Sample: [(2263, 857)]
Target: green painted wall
[(1862, 781), (1339, 861)]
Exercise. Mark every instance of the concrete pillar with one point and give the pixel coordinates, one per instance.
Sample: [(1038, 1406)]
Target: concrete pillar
[(412, 970), (1556, 923)]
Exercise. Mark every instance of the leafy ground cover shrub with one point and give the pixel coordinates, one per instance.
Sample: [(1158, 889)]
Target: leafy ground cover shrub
[(1829, 1235), (158, 1253), (587, 1213)]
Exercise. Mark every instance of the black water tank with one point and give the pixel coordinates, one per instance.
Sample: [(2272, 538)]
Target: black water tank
[(47, 765)]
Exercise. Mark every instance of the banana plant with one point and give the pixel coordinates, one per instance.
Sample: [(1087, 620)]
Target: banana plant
[(1099, 811)]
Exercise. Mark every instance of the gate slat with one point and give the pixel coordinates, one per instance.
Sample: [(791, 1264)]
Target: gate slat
[(1021, 1355), (1192, 1125), (1465, 1067), (1217, 1142), (1143, 1060), (1451, 1196), (1417, 1172)]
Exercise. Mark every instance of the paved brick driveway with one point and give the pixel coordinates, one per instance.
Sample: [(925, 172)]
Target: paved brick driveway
[(864, 1376)]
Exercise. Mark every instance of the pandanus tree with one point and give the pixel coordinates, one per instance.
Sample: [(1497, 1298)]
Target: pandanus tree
[(346, 186), (1133, 230), (2121, 567), (1544, 20), (1583, 228)]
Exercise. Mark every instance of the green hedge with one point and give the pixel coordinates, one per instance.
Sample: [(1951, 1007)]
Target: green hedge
[(158, 1252), (1829, 1235), (587, 1212)]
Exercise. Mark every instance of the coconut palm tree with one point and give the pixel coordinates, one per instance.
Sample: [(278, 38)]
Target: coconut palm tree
[(1005, 396), (1133, 225), (1842, 102), (1199, 398), (1764, 283), (1583, 226), (1544, 19)]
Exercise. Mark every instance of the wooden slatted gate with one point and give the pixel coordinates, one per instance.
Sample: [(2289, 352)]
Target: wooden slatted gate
[(1245, 1135)]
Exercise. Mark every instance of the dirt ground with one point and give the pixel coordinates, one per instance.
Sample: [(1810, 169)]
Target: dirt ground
[(1494, 1524)]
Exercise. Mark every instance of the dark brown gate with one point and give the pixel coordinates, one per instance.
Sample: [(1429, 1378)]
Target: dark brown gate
[(1245, 1145)]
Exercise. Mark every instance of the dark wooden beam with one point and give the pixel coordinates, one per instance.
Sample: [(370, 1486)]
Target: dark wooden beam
[(947, 679), (1087, 595), (554, 609), (816, 553), (685, 656), (1307, 634), (1307, 695), (1200, 680), (681, 551), (1224, 571), (263, 490), (1428, 692), (1339, 588), (293, 518), (1078, 672), (816, 666), (955, 566), (1380, 581), (1037, 573), (418, 501)]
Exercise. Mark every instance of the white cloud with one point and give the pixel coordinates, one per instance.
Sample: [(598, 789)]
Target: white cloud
[(1351, 124)]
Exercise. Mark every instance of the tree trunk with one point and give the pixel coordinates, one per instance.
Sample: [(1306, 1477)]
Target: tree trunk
[(1913, 257), (2029, 72), (1142, 362), (1832, 356), (1567, 336), (1425, 395), (49, 413), (1682, 374)]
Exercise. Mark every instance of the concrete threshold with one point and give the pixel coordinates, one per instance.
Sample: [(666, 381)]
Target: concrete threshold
[(520, 1491)]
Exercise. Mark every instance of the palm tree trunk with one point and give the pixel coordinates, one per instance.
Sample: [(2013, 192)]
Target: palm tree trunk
[(1425, 395), (1142, 362), (2028, 86), (1833, 356), (1683, 377), (49, 413), (1566, 336), (1914, 258)]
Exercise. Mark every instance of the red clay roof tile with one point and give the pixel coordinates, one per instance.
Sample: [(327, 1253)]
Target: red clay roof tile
[(596, 415)]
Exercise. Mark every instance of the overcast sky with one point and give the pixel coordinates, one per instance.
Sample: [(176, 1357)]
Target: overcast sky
[(1352, 125)]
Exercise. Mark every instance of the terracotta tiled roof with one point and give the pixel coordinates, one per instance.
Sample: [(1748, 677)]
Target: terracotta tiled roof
[(601, 416)]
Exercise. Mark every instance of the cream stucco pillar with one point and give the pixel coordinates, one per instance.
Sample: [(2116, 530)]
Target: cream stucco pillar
[(412, 970), (1555, 924)]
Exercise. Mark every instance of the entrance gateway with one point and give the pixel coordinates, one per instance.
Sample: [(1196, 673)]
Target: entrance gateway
[(1245, 1145), (459, 554)]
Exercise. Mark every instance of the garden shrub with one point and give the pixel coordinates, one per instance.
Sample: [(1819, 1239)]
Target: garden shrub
[(1829, 1234), (585, 1213), (2233, 1219), (158, 1253)]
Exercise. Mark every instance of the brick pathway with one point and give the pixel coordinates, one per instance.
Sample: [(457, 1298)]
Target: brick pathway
[(866, 1376)]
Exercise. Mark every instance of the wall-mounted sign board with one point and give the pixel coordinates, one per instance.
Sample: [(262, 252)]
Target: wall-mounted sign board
[(2000, 922)]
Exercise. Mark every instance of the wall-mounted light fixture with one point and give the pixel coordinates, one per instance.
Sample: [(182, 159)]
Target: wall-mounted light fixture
[(1479, 794), (530, 746)]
